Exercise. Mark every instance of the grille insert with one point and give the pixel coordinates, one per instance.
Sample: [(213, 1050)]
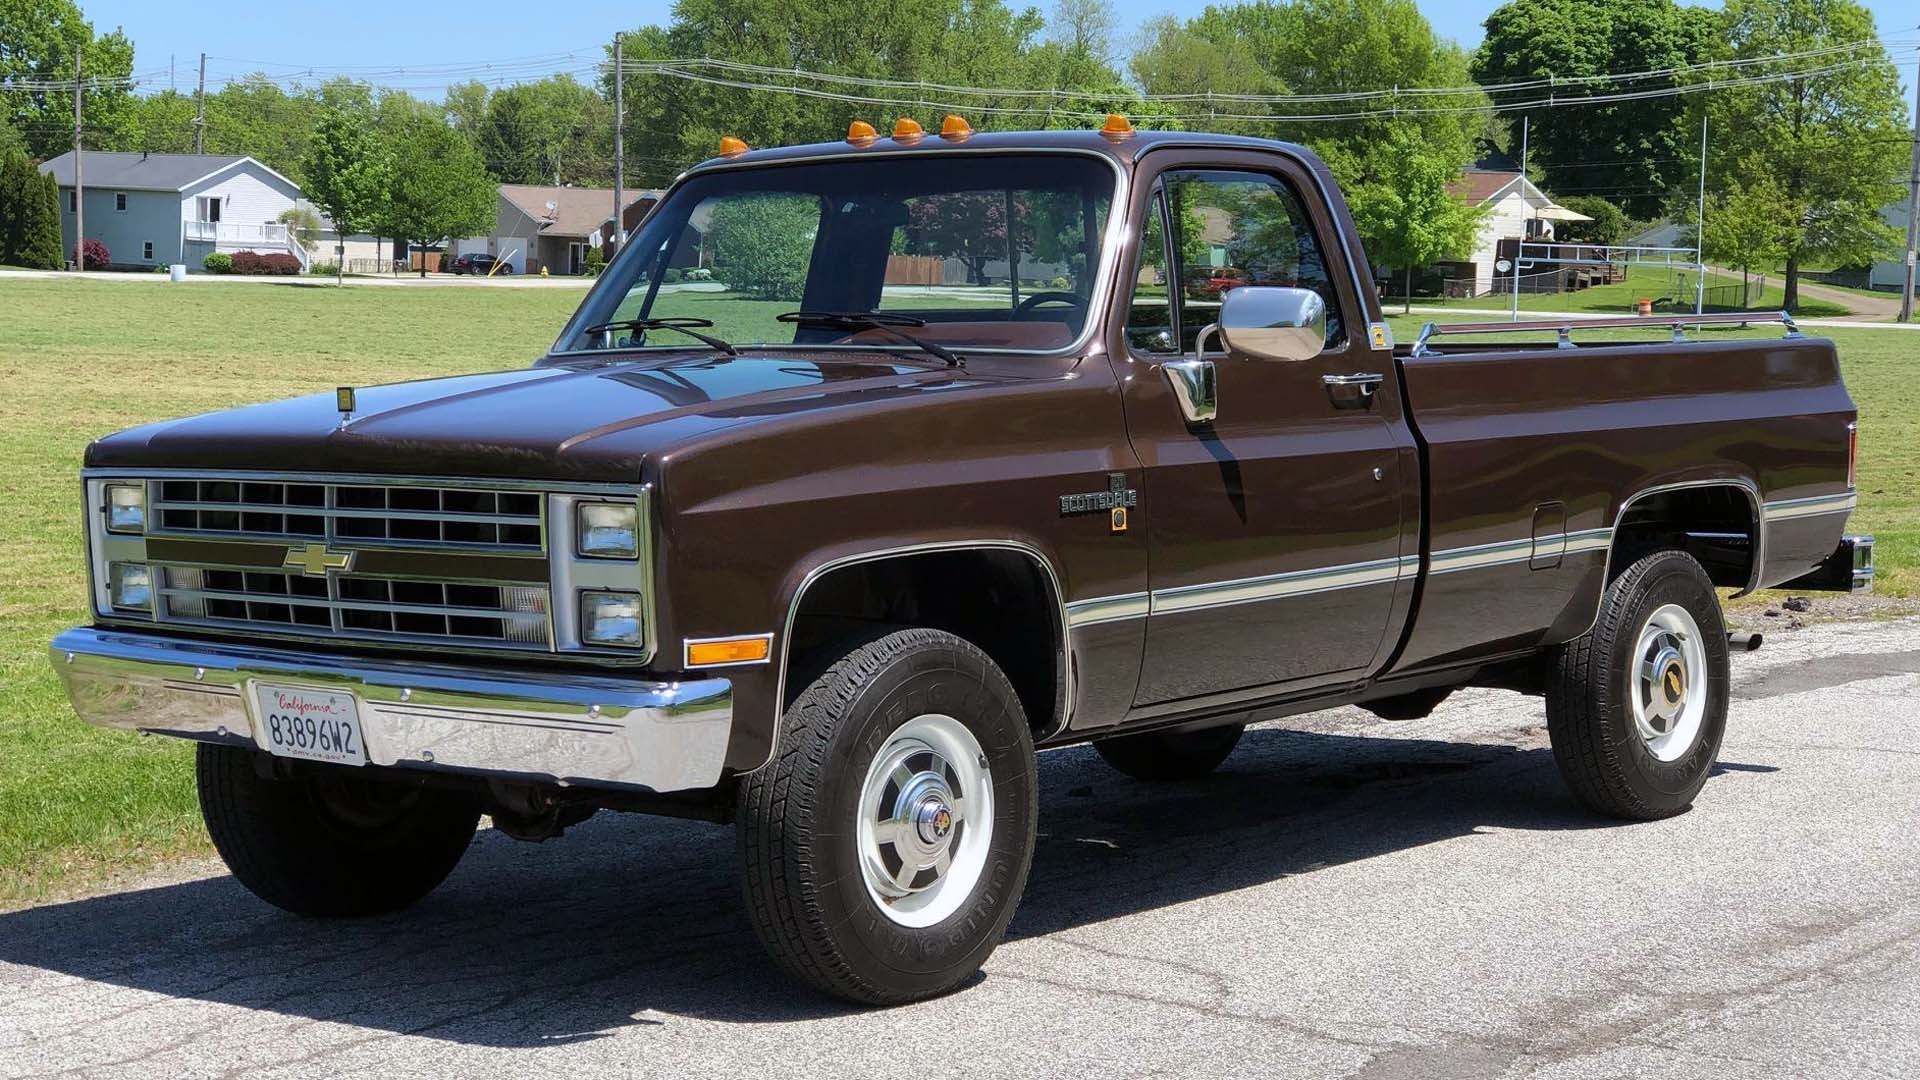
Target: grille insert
[(358, 606), (401, 515)]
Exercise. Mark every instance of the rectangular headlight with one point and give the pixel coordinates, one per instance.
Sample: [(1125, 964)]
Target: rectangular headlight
[(606, 530), (126, 508), (610, 618), (131, 586)]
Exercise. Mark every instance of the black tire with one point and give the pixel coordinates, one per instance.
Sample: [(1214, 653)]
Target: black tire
[(1167, 755), (327, 842), (1597, 741), (798, 821)]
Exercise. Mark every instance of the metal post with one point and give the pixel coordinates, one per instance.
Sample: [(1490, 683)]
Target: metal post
[(1913, 206), (79, 188), (200, 110), (1700, 229), (1526, 128), (619, 149)]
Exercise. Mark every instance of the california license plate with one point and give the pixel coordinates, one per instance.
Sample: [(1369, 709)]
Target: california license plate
[(317, 725)]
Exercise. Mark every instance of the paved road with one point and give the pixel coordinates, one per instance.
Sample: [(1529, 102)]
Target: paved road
[(1366, 899)]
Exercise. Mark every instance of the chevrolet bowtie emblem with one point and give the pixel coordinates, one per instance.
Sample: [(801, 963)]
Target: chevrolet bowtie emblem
[(314, 560)]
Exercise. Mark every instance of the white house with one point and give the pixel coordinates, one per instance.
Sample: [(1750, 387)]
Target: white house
[(156, 209), (1516, 210)]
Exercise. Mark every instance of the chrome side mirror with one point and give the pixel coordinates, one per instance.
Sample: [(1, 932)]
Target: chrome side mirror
[(1264, 322)]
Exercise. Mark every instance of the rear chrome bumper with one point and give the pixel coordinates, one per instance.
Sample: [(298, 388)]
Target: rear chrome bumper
[(1848, 569), (588, 728)]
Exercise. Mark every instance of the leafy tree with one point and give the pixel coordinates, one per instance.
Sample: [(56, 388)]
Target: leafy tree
[(1408, 218), (40, 241), (1085, 27), (762, 243), (1633, 152), (38, 39), (303, 223), (1172, 57), (1750, 226), (1609, 224), (437, 187), (11, 142), (1834, 145), (967, 225), (348, 173), (549, 132)]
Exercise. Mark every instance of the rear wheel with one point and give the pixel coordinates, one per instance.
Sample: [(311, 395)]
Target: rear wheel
[(327, 841), (1637, 706), (886, 845), (1167, 755)]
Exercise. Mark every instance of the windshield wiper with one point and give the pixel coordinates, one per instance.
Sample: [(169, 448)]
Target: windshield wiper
[(684, 324), (885, 322)]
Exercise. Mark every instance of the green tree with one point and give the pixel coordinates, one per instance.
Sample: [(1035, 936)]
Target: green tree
[(348, 173), (1407, 218), (1750, 226), (1633, 152), (29, 216), (38, 39), (303, 223), (1834, 144), (553, 131), (437, 188), (10, 140), (1609, 224), (762, 243)]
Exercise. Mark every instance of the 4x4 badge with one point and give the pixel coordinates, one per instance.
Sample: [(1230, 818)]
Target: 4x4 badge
[(1116, 501)]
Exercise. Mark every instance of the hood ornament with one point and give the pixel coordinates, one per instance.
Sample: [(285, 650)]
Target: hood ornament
[(343, 400)]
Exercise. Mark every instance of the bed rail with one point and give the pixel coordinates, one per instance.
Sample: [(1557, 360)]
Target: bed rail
[(1565, 327)]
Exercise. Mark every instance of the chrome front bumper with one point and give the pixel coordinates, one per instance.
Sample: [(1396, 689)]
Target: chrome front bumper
[(587, 728)]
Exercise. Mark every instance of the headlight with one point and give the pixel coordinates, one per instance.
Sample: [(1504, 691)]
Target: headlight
[(606, 530), (126, 508), (610, 618), (132, 587)]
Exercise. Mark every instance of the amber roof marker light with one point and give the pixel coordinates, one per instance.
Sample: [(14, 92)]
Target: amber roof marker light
[(861, 133), (1116, 128), (908, 130), (731, 147), (955, 129)]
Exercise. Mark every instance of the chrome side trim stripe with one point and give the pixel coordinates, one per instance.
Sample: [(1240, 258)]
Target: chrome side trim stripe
[(1275, 586), (1814, 506), (1106, 609)]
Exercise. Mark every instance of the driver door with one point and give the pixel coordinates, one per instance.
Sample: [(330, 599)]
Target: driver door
[(1282, 533)]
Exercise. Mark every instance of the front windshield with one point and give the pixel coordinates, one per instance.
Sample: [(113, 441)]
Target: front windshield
[(968, 251)]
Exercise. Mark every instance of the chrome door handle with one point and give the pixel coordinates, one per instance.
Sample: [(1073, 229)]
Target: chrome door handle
[(1353, 391)]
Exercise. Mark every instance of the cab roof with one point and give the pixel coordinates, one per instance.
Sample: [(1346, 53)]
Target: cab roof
[(1125, 150)]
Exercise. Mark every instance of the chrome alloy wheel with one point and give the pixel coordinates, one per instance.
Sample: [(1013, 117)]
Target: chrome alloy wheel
[(1669, 700), (926, 820)]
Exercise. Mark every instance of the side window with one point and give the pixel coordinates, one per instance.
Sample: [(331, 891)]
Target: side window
[(1232, 229), (1150, 312)]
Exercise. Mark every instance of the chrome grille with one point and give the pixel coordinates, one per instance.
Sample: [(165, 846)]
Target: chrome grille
[(405, 609), (384, 514)]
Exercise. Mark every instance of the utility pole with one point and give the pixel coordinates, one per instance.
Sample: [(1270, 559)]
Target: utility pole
[(1913, 206), (1700, 229), (619, 149), (1526, 128), (79, 190), (200, 110)]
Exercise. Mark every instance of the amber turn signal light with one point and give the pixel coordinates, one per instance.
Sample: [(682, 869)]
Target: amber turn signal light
[(907, 130), (955, 128), (861, 133), (719, 652), (732, 147), (1117, 127)]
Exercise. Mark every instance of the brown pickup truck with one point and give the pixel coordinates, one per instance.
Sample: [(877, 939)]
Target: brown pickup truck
[(867, 470)]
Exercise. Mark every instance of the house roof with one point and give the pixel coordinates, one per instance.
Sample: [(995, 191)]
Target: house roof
[(1478, 185), (577, 211), (146, 172)]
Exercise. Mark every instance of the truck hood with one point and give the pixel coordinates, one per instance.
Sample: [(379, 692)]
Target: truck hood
[(573, 423)]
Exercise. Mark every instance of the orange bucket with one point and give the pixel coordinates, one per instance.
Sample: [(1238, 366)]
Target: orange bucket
[(1644, 305)]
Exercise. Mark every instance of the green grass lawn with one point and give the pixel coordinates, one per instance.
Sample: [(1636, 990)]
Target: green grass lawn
[(79, 359), (1621, 297)]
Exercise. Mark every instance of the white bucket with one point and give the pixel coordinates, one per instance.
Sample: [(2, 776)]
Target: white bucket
[(177, 272)]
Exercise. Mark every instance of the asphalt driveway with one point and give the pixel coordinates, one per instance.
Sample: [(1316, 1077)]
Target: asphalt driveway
[(1363, 899)]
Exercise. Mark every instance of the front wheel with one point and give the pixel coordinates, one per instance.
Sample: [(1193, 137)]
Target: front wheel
[(886, 845), (329, 842), (1637, 706)]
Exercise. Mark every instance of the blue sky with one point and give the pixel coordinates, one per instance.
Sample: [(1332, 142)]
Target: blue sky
[(388, 34)]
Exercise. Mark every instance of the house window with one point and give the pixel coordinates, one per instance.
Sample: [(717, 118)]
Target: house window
[(146, 251), (207, 207), (73, 201), (120, 201)]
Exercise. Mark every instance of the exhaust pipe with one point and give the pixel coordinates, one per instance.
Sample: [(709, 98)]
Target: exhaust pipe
[(1743, 641)]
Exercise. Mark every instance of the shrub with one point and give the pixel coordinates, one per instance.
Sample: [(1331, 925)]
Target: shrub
[(672, 275), (1061, 284), (254, 264), (762, 242), (324, 269), (96, 255), (217, 263), (596, 261)]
